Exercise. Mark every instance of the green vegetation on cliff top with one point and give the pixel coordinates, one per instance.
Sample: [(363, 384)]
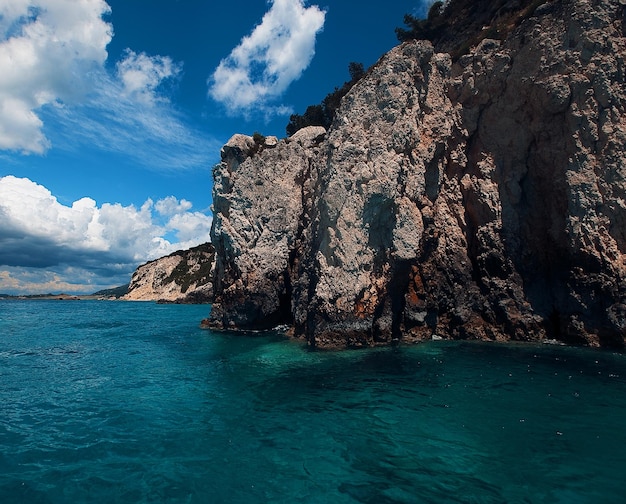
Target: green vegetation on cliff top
[(454, 26)]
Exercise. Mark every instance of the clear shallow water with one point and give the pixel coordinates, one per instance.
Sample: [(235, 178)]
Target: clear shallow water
[(131, 402)]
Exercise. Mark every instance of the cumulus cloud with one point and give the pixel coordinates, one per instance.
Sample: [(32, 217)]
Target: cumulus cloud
[(88, 241), (55, 90), (188, 226), (37, 281), (268, 60), (171, 206), (141, 74), (47, 48)]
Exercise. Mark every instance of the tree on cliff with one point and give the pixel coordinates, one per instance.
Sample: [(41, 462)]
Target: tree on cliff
[(324, 113), (423, 28), (454, 26)]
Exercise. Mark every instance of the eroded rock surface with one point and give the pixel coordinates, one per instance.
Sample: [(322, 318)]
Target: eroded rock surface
[(483, 198), (258, 197)]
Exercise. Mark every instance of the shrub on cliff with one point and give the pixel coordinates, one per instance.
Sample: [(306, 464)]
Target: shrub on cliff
[(324, 113), (423, 28), (258, 138), (454, 26)]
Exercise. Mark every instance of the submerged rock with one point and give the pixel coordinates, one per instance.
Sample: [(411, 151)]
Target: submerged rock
[(482, 198)]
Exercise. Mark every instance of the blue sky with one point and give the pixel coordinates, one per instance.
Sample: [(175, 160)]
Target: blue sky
[(113, 112)]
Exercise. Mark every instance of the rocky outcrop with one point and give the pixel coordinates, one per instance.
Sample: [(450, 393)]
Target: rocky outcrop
[(258, 198), (182, 277), (481, 198)]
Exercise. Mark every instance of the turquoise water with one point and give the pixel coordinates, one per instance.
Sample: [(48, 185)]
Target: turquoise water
[(131, 402)]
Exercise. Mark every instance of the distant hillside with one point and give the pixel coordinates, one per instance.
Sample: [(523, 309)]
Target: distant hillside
[(115, 292), (181, 277)]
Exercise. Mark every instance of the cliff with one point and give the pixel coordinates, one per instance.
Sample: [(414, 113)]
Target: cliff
[(182, 277), (480, 198)]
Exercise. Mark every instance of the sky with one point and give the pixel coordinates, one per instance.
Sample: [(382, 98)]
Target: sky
[(112, 114)]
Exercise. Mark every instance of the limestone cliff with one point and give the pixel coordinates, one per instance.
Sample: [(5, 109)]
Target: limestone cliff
[(182, 277), (480, 198)]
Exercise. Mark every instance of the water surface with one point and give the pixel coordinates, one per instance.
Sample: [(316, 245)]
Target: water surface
[(132, 402)]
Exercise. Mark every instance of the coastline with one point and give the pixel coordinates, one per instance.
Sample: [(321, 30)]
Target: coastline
[(61, 297)]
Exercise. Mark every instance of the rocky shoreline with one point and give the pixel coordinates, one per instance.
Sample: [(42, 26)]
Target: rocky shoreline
[(481, 198)]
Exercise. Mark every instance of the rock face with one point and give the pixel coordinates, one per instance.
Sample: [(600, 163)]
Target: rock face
[(182, 277), (483, 198)]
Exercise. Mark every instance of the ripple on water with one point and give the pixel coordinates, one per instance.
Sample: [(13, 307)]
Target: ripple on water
[(133, 403)]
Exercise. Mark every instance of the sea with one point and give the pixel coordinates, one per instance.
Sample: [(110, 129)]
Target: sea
[(130, 402)]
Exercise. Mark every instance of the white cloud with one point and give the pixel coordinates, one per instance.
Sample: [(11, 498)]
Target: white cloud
[(188, 226), (47, 49), (171, 206), (267, 61), (36, 231), (141, 74), (152, 133), (55, 90), (22, 280)]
